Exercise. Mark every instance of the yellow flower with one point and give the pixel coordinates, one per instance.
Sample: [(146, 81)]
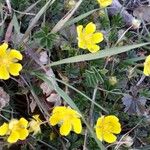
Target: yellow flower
[(105, 3), (68, 118), (34, 125), (106, 127), (4, 129), (9, 59), (16, 129), (147, 66), (88, 39)]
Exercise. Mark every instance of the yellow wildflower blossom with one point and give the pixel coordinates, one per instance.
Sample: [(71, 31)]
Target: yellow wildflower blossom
[(34, 125), (87, 38), (147, 66), (106, 127), (4, 129), (9, 59), (68, 118), (105, 3), (15, 129)]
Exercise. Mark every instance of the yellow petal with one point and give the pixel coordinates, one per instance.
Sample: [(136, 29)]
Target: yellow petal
[(105, 3), (90, 28), (146, 70), (109, 137), (97, 37), (3, 129), (15, 68), (99, 133), (3, 49), (116, 128), (82, 44), (100, 120), (93, 48), (12, 123), (111, 118), (14, 136), (77, 127), (14, 54), (54, 119), (65, 128), (113, 121), (34, 126), (79, 30), (4, 74), (23, 133), (147, 59), (59, 109), (23, 122)]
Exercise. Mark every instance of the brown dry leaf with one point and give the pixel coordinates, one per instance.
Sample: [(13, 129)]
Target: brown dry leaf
[(49, 91), (4, 98), (43, 57), (143, 13), (32, 104)]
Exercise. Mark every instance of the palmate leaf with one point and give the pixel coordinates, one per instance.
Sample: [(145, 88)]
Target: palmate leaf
[(46, 39)]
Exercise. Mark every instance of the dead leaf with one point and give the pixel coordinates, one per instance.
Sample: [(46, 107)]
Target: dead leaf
[(143, 13), (48, 90), (4, 98), (32, 104), (43, 57), (134, 105), (54, 98)]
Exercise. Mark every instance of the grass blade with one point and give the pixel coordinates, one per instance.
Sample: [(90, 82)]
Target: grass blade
[(98, 55), (75, 20), (61, 23)]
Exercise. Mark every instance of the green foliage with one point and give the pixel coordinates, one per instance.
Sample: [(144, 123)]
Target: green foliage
[(46, 39), (19, 4), (83, 72), (93, 77), (117, 21)]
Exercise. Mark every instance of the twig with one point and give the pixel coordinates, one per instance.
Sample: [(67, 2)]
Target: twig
[(141, 80)]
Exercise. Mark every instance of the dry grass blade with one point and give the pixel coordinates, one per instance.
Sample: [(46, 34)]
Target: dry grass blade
[(9, 31), (9, 6), (61, 23), (36, 18)]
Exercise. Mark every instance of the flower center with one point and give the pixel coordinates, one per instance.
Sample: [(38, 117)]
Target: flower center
[(5, 60)]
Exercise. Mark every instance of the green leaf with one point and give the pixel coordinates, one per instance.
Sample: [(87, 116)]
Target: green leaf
[(16, 24), (93, 77), (101, 54)]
